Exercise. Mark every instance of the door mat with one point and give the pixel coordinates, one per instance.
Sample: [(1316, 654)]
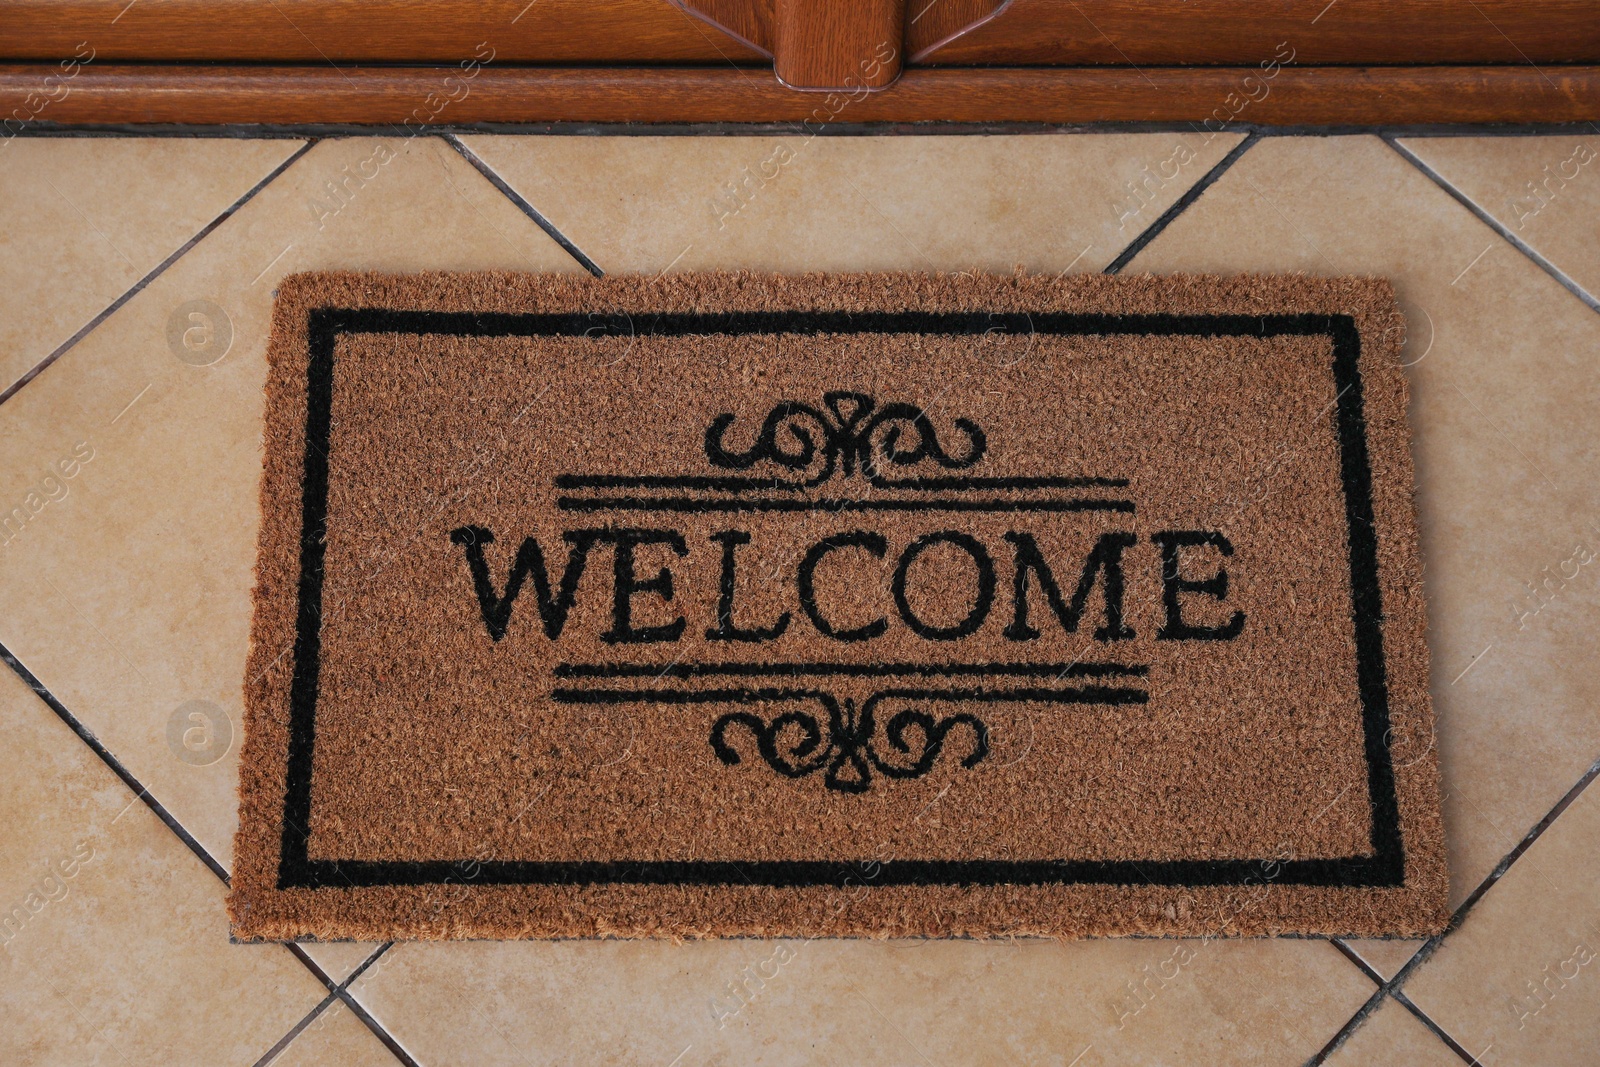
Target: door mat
[(857, 605)]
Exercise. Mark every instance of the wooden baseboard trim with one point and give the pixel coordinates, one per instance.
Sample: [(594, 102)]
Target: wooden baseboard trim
[(411, 98)]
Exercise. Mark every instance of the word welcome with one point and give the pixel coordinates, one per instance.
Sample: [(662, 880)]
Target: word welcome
[(1028, 569)]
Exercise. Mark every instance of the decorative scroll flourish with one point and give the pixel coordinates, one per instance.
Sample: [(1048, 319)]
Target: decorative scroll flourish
[(852, 434), (795, 744)]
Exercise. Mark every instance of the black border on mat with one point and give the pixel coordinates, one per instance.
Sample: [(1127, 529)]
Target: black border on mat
[(1385, 866)]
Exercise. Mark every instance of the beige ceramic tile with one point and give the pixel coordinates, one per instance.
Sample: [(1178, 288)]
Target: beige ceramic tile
[(127, 590), (113, 941), (1385, 957), (336, 1038), (1546, 190), (1047, 202), (86, 218), (843, 1002), (1504, 396), (339, 958), (1392, 1035), (1519, 982)]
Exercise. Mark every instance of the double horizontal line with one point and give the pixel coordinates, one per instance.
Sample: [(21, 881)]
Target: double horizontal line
[(733, 484), (849, 670), (737, 499), (965, 672), (700, 505)]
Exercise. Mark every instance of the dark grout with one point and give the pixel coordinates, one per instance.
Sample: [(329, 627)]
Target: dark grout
[(295, 1031), (1494, 876), (1350, 954), (368, 962), (1494, 224), (312, 965), (1438, 1031), (156, 272), (1423, 954), (111, 761), (335, 989), (1373, 1003), (1190, 195), (522, 205), (395, 1048)]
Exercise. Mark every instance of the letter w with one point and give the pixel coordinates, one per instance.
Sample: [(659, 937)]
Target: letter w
[(553, 609)]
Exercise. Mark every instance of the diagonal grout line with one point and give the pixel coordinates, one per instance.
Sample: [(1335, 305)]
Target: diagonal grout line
[(1499, 871), (1370, 1008), (1373, 1003), (1423, 954), (1350, 954), (161, 812), (366, 963), (522, 205), (156, 272), (1493, 223), (395, 1048), (335, 989), (338, 991), (1403, 1000), (1438, 1031), (321, 973), (111, 761), (1190, 195), (295, 1031)]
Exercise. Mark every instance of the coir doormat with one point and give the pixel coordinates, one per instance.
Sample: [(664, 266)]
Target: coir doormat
[(836, 605)]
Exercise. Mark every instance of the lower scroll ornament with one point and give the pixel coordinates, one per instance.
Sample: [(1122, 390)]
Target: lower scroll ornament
[(847, 747)]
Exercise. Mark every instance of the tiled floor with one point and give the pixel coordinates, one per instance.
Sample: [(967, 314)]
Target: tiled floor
[(135, 285)]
